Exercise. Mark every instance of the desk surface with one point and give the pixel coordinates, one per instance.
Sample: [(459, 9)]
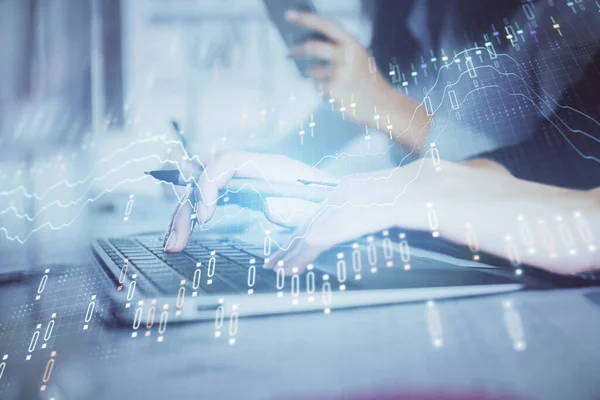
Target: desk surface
[(540, 345)]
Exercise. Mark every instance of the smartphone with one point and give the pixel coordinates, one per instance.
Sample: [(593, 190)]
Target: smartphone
[(293, 34)]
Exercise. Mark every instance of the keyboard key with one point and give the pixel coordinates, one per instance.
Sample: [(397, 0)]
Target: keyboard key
[(232, 261)]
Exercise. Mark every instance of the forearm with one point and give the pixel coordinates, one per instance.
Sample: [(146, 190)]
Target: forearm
[(543, 226), (408, 122), (390, 111), (479, 204)]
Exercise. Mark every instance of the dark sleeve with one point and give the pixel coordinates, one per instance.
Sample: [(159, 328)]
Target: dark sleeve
[(563, 157), (499, 93)]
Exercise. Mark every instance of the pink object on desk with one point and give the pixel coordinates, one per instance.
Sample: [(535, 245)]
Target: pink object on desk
[(413, 395)]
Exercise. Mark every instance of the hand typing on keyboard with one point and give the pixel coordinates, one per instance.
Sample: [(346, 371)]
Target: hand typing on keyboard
[(476, 191), (223, 167)]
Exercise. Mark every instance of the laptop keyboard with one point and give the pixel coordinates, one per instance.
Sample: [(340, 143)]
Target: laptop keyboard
[(225, 266)]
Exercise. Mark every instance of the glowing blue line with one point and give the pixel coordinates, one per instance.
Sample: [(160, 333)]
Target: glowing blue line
[(155, 138), (447, 66), (336, 157), (69, 184), (64, 225)]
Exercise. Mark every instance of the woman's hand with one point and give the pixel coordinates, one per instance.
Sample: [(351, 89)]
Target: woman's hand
[(361, 204), (224, 166), (347, 76), (476, 203), (353, 81), (177, 159)]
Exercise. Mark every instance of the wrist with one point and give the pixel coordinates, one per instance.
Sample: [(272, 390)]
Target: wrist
[(410, 123), (374, 100)]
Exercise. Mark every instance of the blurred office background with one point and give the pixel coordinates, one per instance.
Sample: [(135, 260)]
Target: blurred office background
[(77, 73), (87, 89)]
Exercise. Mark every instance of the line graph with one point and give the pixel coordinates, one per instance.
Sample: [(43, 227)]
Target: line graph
[(91, 179)]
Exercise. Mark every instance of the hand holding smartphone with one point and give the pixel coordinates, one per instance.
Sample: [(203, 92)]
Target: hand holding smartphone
[(293, 34)]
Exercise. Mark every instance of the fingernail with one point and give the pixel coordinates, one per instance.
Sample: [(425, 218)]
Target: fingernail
[(201, 211), (171, 241), (166, 235), (291, 15)]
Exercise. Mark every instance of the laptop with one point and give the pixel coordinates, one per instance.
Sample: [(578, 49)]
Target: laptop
[(217, 277)]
